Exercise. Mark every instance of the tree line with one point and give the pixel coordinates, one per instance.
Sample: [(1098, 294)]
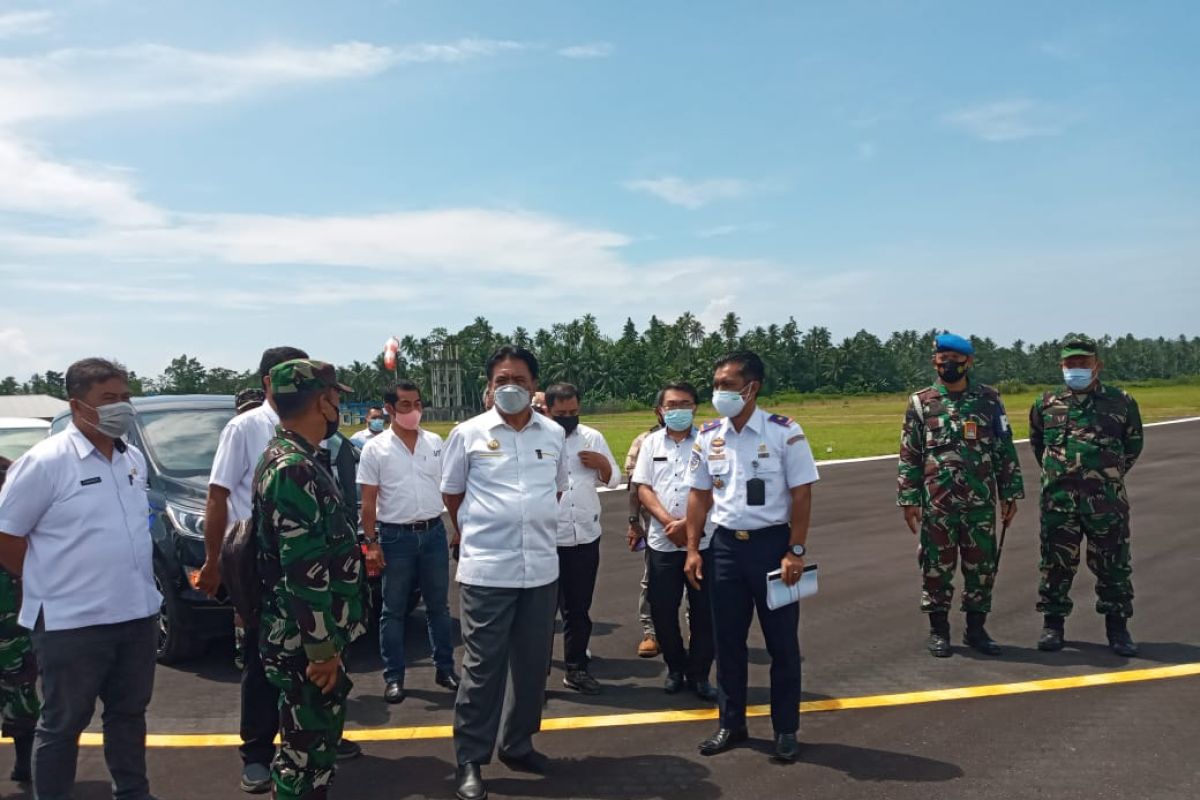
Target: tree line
[(626, 371)]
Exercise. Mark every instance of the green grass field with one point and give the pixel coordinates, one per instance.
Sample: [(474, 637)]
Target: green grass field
[(853, 426)]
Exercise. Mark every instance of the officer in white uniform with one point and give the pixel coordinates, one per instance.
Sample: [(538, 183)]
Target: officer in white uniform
[(590, 464), (757, 471), (502, 474)]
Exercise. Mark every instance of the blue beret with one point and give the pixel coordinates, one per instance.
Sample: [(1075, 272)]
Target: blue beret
[(953, 343)]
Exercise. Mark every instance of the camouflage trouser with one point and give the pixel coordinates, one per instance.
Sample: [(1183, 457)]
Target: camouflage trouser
[(19, 704), (310, 727), (1107, 557), (969, 535)]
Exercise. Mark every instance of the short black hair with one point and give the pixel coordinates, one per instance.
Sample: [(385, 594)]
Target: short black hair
[(677, 386), (560, 391), (748, 362), (512, 351), (272, 357), (293, 404), (403, 385), (87, 372)]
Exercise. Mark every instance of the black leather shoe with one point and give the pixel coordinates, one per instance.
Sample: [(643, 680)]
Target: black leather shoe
[(394, 693), (470, 783), (448, 679), (938, 645), (533, 762), (722, 740), (674, 683), (705, 691), (348, 750), (1119, 640), (1051, 639), (22, 771), (787, 749), (976, 636), (581, 681)]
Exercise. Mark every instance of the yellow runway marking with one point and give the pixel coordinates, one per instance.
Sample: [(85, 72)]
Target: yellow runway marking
[(660, 717)]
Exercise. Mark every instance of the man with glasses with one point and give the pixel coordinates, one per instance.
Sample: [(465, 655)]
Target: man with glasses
[(662, 484)]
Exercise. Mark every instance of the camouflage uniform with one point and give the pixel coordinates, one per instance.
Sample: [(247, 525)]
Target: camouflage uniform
[(19, 702), (957, 459), (1085, 443), (312, 605)]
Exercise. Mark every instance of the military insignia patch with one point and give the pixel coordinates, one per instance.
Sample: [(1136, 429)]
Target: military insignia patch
[(718, 483), (710, 426), (970, 430), (780, 419), (493, 445), (718, 442), (799, 437), (694, 463)]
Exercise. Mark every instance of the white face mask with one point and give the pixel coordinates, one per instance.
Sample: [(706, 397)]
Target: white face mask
[(115, 419), (511, 399), (728, 403)]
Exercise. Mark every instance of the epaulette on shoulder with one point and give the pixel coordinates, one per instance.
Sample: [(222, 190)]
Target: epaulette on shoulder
[(926, 394), (710, 426), (990, 391), (780, 419)]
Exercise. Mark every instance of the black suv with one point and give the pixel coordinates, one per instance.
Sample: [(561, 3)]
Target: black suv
[(178, 435)]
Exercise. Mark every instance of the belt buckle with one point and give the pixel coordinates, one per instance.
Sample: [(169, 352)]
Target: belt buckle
[(742, 536)]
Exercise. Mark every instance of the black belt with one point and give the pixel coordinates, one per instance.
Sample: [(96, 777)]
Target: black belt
[(743, 535), (412, 526)]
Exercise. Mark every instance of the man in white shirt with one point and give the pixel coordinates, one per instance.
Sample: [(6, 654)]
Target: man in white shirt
[(663, 484), (400, 473), (590, 463), (376, 424), (74, 523), (230, 494), (502, 474)]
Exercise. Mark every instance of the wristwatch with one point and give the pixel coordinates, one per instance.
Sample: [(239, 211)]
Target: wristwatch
[(798, 550), (633, 519)]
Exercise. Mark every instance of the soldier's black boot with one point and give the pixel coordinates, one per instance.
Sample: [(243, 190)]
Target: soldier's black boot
[(1119, 640), (1052, 634), (22, 771), (976, 637), (939, 634)]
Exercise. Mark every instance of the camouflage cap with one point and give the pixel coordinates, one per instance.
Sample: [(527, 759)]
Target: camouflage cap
[(1077, 345), (247, 399), (304, 375)]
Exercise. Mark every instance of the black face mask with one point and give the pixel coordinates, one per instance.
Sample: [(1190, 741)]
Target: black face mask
[(569, 423), (331, 425), (952, 371)]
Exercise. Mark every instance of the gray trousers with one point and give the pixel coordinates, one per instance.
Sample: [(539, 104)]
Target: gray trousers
[(644, 615), (114, 663), (507, 635)]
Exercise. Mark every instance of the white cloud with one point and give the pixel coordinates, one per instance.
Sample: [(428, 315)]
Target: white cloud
[(1007, 120), (718, 231), (690, 194), (24, 23), (34, 184), (77, 82), (590, 50), (867, 151)]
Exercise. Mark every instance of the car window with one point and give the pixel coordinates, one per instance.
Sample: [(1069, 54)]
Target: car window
[(183, 442), (15, 441)]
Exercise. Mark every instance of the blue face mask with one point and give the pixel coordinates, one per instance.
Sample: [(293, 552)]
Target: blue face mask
[(376, 425), (1078, 378), (678, 419)]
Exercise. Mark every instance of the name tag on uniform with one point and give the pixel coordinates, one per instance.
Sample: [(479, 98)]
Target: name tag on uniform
[(660, 458), (90, 481), (970, 430)]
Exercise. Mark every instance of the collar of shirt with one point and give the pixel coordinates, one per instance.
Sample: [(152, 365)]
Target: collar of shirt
[(83, 446), (755, 423), (492, 419), (296, 439)]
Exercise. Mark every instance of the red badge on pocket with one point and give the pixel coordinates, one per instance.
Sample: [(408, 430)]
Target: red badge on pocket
[(970, 430)]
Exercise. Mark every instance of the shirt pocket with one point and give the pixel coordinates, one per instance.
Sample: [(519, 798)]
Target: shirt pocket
[(939, 434), (718, 466), (1054, 430)]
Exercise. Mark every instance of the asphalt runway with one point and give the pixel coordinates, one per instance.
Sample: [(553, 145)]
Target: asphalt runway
[(862, 636)]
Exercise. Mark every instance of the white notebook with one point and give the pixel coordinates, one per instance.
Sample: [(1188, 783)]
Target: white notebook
[(779, 594)]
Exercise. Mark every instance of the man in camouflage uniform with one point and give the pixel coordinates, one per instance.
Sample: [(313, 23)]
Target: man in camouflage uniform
[(19, 703), (312, 605), (957, 459), (1086, 436)]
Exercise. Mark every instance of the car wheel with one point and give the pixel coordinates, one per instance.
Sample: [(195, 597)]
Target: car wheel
[(174, 645)]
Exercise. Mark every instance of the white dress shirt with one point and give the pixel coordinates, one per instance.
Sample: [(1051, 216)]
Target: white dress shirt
[(241, 445), (361, 438), (510, 482), (771, 447), (662, 465), (86, 521), (579, 508), (409, 481)]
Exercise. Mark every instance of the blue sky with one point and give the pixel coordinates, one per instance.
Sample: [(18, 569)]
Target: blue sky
[(214, 178)]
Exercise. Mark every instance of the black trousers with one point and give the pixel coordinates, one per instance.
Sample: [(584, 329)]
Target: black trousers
[(739, 588), (667, 587), (577, 568), (260, 707)]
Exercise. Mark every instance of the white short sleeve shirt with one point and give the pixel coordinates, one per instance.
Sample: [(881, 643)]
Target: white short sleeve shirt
[(408, 481), (86, 521), (241, 445), (662, 465), (579, 508), (510, 482), (770, 447)]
